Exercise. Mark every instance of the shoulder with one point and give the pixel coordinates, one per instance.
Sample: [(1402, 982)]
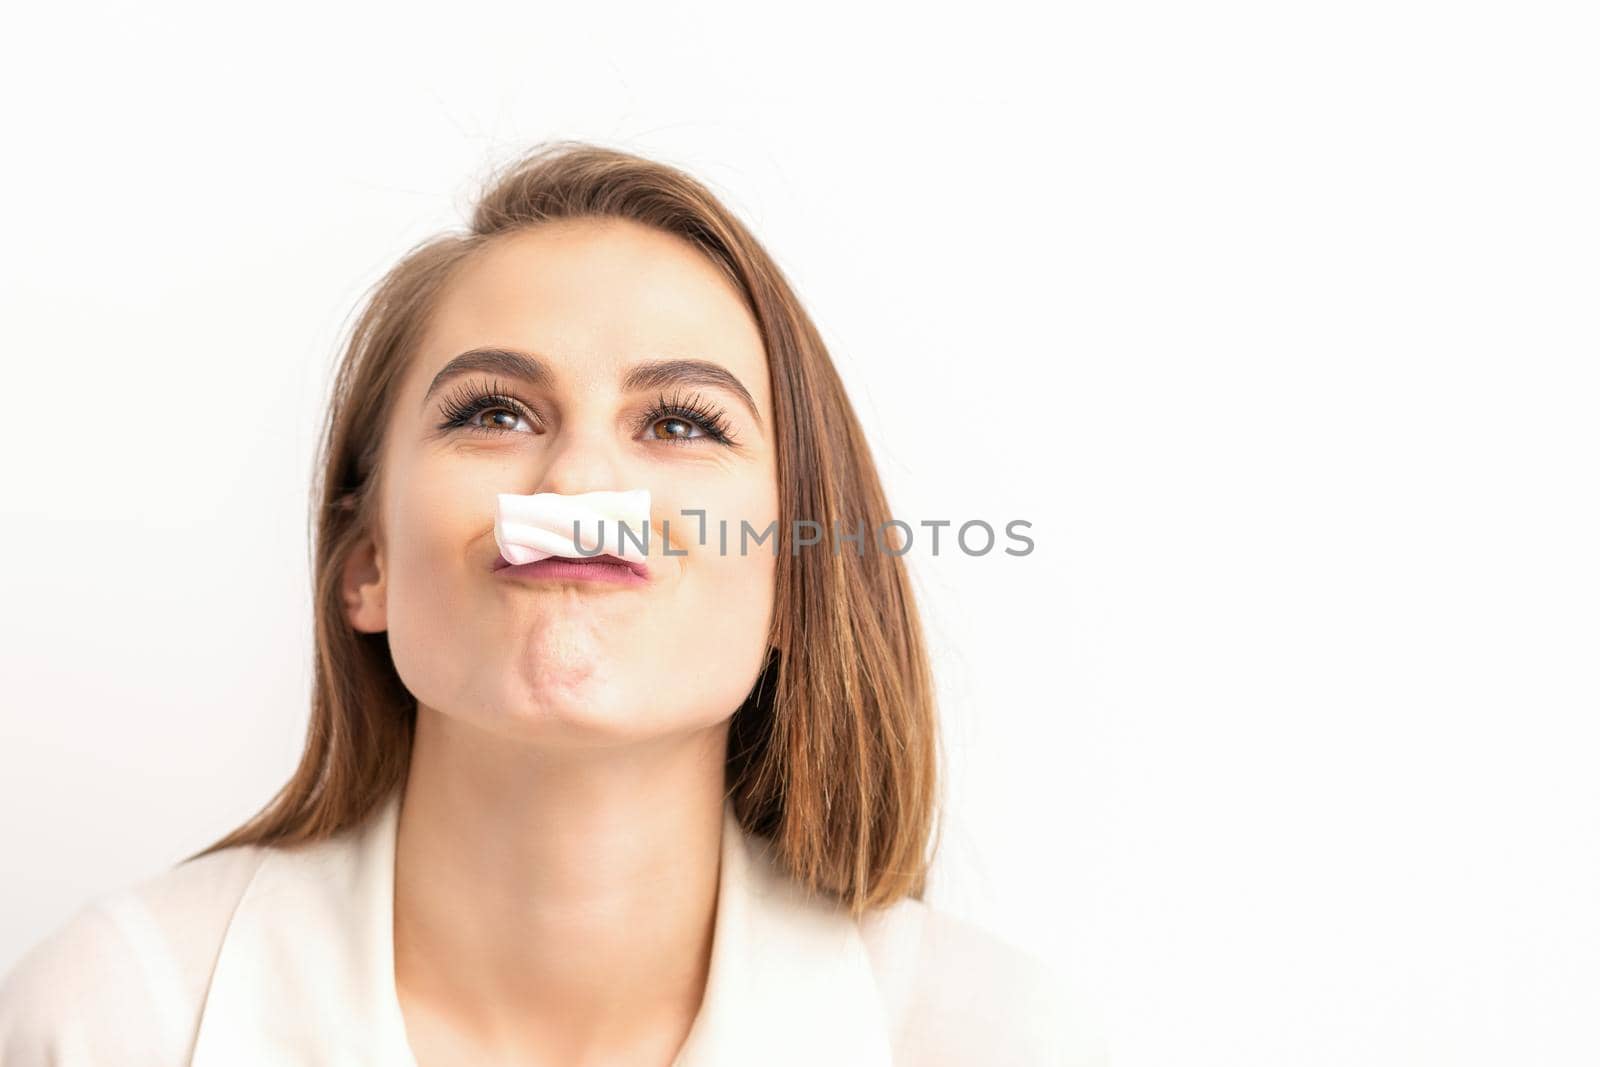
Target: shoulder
[(126, 972), (958, 994)]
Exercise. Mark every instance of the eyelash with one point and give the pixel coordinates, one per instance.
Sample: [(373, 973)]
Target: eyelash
[(467, 402)]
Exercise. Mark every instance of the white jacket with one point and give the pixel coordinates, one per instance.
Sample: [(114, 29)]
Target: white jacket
[(269, 957)]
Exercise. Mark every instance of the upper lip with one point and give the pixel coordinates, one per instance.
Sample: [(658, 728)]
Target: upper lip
[(500, 562)]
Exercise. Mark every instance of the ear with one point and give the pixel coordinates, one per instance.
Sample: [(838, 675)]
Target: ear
[(363, 587)]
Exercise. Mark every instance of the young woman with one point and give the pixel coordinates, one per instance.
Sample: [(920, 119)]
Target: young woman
[(543, 819)]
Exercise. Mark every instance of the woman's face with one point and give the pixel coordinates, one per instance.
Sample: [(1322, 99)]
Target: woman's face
[(558, 660)]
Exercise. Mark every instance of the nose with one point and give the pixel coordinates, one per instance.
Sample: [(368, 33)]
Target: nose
[(581, 460), (587, 461)]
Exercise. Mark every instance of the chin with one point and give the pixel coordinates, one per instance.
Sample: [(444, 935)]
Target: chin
[(565, 706)]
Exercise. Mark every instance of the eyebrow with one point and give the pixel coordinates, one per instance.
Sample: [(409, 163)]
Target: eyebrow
[(653, 374)]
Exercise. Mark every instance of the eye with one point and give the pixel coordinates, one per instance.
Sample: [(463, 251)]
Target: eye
[(507, 419), (674, 420), (672, 428), (463, 410)]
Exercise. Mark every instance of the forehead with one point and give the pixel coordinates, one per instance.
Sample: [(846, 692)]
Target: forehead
[(592, 297)]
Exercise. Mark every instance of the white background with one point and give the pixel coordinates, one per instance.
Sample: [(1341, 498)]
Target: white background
[(1278, 321)]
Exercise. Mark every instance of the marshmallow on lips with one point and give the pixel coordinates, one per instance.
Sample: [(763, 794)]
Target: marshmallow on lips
[(530, 528)]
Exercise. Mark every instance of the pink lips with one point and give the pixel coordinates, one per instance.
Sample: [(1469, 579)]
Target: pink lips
[(601, 568)]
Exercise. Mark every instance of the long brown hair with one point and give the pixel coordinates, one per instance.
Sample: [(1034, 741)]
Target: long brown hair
[(834, 755)]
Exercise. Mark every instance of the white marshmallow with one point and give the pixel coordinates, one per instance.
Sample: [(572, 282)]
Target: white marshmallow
[(529, 528)]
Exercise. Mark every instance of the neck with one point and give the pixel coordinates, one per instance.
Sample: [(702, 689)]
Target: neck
[(563, 899)]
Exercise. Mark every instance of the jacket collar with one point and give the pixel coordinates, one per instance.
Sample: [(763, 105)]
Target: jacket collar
[(305, 973)]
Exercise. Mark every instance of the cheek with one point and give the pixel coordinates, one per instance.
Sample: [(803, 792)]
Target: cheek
[(719, 620), (709, 633), (738, 590), (429, 588), (431, 523)]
